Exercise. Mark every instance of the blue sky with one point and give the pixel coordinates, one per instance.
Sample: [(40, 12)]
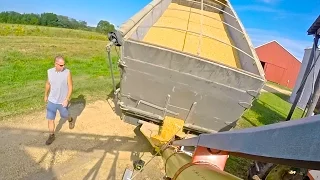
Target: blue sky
[(264, 20)]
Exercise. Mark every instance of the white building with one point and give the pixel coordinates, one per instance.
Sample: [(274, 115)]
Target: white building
[(310, 80)]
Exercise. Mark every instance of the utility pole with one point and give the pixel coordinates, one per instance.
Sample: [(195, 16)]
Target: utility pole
[(313, 30)]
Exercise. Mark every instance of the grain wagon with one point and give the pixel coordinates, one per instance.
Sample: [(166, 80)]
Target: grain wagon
[(187, 59)]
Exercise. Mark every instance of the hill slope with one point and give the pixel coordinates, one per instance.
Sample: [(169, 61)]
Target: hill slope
[(29, 30)]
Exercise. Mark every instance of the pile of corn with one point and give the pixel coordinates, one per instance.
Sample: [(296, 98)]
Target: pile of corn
[(185, 18), (171, 126)]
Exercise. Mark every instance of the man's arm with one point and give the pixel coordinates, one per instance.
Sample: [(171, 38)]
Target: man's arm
[(69, 86), (46, 91)]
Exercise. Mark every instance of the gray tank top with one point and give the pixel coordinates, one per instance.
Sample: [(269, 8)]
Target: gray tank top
[(58, 85)]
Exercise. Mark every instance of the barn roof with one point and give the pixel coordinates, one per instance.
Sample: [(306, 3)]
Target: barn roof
[(314, 27), (274, 41)]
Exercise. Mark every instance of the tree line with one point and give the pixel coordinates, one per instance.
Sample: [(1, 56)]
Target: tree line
[(53, 20)]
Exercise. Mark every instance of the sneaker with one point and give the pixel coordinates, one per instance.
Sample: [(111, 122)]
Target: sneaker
[(50, 139), (71, 123)]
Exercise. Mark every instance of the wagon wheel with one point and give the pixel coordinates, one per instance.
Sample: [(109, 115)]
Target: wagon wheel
[(259, 170)]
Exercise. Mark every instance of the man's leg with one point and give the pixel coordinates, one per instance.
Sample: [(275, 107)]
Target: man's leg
[(64, 113), (51, 116), (51, 126)]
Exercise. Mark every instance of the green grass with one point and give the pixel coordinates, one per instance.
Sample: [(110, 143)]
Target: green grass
[(269, 108), (24, 61), (29, 30)]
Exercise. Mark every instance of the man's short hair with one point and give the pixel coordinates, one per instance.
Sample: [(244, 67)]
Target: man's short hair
[(58, 57)]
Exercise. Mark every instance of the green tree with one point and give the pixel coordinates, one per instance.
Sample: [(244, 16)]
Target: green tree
[(4, 17), (54, 20), (104, 27), (14, 17), (49, 19), (63, 21), (24, 19), (34, 19)]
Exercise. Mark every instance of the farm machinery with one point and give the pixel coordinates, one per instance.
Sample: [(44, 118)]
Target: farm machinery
[(188, 73)]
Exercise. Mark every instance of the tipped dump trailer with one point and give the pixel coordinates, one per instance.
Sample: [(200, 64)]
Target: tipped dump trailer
[(187, 59)]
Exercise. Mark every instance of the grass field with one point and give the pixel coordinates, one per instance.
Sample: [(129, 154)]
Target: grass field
[(24, 61), (25, 56), (28, 30)]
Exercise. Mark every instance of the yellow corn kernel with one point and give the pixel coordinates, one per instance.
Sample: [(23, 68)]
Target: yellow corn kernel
[(186, 18), (170, 127), (165, 37)]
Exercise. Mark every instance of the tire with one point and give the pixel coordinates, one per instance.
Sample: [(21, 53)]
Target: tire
[(264, 169)]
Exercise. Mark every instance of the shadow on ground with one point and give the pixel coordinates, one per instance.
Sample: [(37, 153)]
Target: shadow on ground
[(81, 143), (268, 109), (114, 99), (75, 108)]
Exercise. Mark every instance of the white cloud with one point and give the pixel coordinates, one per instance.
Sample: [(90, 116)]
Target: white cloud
[(92, 25), (294, 46)]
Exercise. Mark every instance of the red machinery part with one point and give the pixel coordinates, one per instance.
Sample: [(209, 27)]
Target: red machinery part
[(204, 164), (211, 156)]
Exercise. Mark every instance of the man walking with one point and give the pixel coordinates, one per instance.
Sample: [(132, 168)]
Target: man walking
[(59, 84)]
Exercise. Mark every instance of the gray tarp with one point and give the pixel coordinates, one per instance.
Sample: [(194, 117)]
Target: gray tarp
[(218, 94)]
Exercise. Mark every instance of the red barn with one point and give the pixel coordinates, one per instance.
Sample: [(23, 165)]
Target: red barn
[(279, 65)]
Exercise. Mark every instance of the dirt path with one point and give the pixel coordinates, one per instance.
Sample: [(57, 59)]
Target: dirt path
[(100, 147), (274, 89)]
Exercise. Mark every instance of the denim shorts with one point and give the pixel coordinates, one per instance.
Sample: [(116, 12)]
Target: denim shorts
[(52, 111)]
